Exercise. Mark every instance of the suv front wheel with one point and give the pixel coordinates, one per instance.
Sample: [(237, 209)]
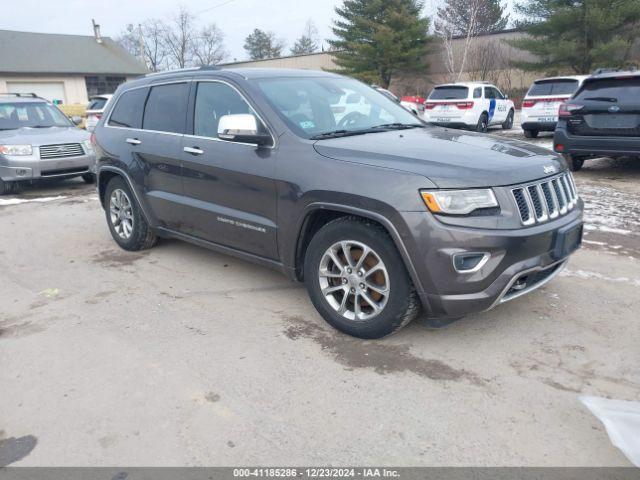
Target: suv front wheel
[(575, 163), (357, 280), (126, 222)]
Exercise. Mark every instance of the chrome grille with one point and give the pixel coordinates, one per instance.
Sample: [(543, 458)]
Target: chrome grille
[(545, 200), (62, 150)]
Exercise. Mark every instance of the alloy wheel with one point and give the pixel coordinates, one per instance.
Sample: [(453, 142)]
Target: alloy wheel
[(354, 280), (121, 213)]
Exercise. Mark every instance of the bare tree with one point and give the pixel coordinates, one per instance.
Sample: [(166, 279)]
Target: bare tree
[(155, 49), (455, 59), (208, 46), (486, 61), (178, 38)]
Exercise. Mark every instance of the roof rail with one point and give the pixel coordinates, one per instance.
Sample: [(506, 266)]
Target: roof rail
[(187, 69), (599, 71), (14, 94)]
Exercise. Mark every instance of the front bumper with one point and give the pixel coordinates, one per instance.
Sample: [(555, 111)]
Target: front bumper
[(25, 168), (520, 261), (595, 145)]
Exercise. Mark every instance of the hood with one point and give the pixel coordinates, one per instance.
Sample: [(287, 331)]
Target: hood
[(449, 158), (43, 136)]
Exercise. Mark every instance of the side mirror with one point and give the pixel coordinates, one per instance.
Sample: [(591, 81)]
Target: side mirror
[(76, 120), (242, 128)]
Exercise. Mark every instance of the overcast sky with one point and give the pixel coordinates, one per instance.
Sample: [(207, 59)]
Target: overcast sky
[(236, 18)]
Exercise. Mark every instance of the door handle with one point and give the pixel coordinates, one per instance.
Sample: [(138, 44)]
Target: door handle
[(193, 150), (133, 141)]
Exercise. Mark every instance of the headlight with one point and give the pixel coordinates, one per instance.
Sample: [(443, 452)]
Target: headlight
[(458, 202), (88, 147), (16, 149)]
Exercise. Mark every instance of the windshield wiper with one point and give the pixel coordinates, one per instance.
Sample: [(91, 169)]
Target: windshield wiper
[(602, 99), (41, 126), (375, 129), (396, 126)]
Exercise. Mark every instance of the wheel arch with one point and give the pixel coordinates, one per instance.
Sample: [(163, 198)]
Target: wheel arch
[(105, 175), (319, 214)]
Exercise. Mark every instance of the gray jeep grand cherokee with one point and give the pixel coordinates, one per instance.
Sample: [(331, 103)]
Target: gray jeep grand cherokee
[(38, 141), (378, 213)]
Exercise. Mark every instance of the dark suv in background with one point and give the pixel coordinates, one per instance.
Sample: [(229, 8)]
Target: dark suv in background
[(602, 119), (378, 213)]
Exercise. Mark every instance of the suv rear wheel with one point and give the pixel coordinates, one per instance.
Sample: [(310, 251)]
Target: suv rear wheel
[(483, 124), (5, 187), (508, 123), (575, 163), (531, 133), (126, 222), (357, 280)]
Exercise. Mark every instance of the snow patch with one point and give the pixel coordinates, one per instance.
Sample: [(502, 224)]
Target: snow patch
[(17, 201), (598, 276)]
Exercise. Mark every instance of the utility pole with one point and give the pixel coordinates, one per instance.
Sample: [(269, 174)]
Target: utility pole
[(141, 45)]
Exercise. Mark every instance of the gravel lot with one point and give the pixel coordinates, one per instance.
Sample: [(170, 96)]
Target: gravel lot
[(181, 356)]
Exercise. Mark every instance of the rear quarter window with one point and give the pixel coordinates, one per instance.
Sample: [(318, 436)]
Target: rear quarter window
[(625, 90), (553, 87), (449, 93), (128, 109)]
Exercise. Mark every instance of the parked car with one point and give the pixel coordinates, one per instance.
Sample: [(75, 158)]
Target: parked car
[(541, 103), (95, 110), (601, 119), (414, 103), (378, 213), (473, 105), (38, 141)]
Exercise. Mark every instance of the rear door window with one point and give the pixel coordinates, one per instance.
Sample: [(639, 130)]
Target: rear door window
[(553, 87), (489, 92), (129, 108), (616, 90), (166, 108), (449, 93)]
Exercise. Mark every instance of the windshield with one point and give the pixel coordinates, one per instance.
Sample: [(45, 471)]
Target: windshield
[(449, 93), (321, 105), (33, 114), (553, 87)]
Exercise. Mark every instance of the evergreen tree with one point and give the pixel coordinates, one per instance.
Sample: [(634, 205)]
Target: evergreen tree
[(375, 39), (307, 43), (490, 16), (260, 45), (578, 35)]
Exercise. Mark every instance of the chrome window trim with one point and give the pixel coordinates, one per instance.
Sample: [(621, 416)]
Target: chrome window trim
[(149, 85), (274, 138)]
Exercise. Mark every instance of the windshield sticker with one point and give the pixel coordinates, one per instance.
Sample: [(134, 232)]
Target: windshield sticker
[(307, 125)]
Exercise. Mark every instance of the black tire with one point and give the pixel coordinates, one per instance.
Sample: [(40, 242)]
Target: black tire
[(142, 236), (508, 123), (7, 188), (575, 163), (89, 178), (402, 304), (483, 124), (531, 133)]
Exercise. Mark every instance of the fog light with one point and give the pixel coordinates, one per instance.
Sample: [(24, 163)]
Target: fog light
[(21, 172), (469, 262)]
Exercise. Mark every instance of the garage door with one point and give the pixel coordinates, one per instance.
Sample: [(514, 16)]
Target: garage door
[(49, 90)]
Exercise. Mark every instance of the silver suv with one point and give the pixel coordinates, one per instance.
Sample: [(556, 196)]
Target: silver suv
[(38, 141)]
